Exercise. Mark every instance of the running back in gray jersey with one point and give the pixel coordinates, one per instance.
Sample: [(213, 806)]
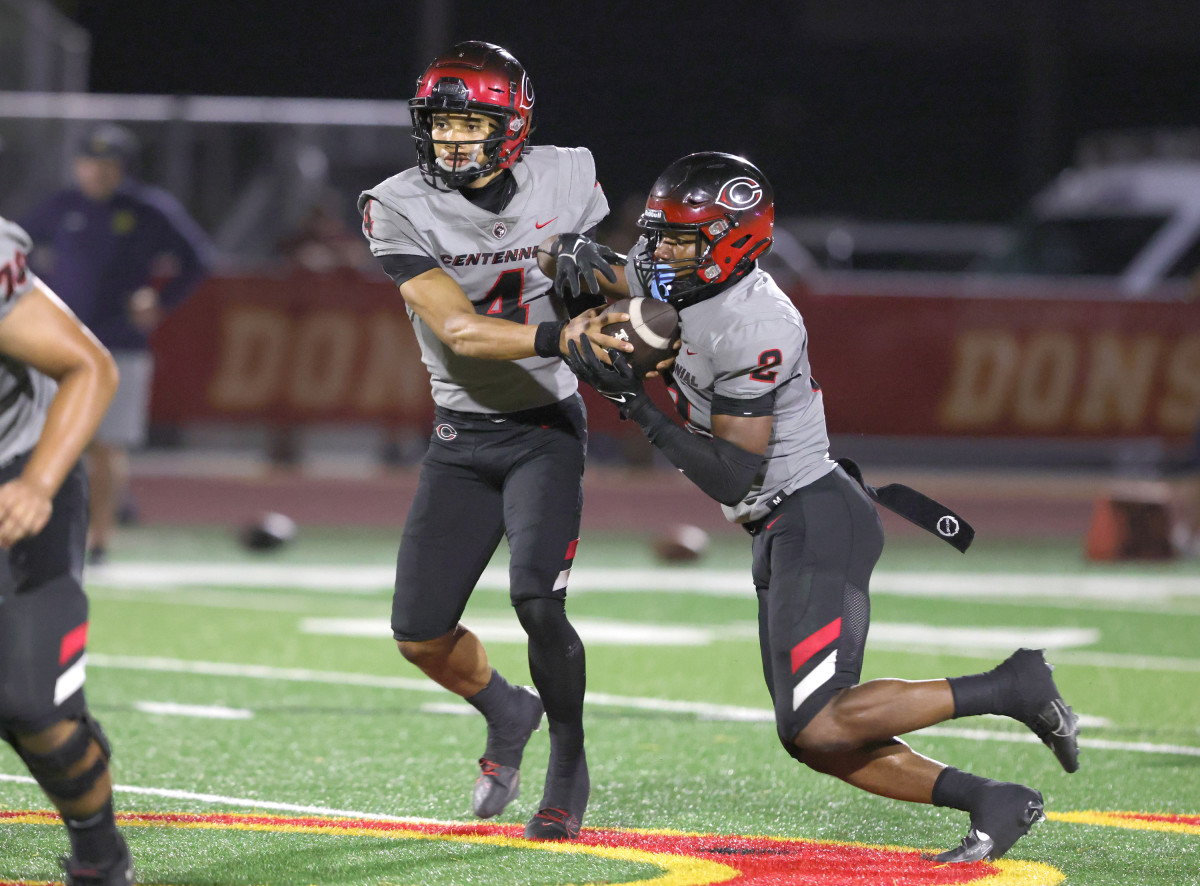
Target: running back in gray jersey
[(742, 344), (494, 259), (25, 393)]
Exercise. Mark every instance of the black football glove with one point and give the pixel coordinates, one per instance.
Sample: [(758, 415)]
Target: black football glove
[(617, 382), (576, 258)]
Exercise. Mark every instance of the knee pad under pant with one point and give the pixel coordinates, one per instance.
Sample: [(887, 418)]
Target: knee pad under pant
[(544, 618), (50, 769)]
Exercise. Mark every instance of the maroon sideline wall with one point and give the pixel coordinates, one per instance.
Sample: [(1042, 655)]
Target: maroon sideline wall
[(320, 349)]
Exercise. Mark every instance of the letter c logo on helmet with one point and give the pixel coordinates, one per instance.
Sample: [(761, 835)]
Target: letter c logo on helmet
[(739, 193)]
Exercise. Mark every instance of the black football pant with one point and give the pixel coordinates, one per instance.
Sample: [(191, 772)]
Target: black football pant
[(812, 569), (485, 477)]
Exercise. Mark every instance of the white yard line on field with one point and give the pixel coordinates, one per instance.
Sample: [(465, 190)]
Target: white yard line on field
[(727, 582), (247, 803), (701, 710), (611, 632), (204, 711), (1136, 747)]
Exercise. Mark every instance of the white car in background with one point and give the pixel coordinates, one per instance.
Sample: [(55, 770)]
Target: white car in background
[(1125, 230), (1137, 223)]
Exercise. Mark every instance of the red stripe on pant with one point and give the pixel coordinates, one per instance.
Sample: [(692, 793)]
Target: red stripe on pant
[(72, 643), (814, 643)]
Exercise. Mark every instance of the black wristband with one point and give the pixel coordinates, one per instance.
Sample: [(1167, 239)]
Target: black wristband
[(545, 340)]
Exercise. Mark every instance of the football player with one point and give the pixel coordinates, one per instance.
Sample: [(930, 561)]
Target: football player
[(758, 444), (461, 235), (56, 381)]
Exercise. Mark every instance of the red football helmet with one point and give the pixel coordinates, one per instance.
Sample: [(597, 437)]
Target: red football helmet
[(729, 205), (473, 77)]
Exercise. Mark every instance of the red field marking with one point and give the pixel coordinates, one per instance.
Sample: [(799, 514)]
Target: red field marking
[(685, 859)]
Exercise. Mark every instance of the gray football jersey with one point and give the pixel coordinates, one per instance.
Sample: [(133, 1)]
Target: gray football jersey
[(494, 259), (746, 342), (25, 393)]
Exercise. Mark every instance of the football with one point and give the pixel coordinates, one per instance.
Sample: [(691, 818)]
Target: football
[(269, 532), (681, 544), (652, 329)]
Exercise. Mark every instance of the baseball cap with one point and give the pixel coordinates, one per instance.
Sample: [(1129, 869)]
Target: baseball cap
[(110, 142)]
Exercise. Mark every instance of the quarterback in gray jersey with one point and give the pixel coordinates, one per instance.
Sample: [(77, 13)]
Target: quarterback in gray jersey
[(758, 445), (468, 236), (56, 381)]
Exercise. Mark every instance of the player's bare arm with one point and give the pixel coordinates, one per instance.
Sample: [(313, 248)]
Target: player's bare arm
[(42, 333), (751, 433), (440, 302)]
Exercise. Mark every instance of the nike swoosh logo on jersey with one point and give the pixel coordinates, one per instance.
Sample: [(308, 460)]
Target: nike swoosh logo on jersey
[(690, 352), (543, 224)]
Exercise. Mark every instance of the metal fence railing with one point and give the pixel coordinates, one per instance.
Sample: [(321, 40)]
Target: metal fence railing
[(248, 169)]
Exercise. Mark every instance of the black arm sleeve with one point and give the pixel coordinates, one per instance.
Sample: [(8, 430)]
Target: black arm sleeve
[(402, 268), (721, 469)]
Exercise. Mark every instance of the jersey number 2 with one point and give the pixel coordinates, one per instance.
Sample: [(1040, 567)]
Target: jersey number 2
[(766, 360), (504, 298)]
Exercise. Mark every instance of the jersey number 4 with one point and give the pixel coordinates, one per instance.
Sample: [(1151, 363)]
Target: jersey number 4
[(12, 275), (504, 298)]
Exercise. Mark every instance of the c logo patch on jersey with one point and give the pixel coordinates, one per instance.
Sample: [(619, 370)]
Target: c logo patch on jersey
[(445, 431), (740, 193)]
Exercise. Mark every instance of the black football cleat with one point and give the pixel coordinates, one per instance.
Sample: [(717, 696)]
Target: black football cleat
[(115, 873), (495, 788), (552, 824), (497, 784), (564, 802), (1007, 813), (1045, 711)]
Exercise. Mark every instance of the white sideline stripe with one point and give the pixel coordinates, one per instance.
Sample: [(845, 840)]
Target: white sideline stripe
[(174, 709), (727, 582), (815, 679), (173, 794), (70, 681)]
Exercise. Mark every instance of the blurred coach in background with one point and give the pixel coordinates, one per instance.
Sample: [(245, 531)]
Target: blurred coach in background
[(121, 254)]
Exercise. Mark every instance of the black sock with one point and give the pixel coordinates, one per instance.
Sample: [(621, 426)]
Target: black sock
[(956, 789), (507, 711), (95, 839), (492, 700), (988, 693)]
